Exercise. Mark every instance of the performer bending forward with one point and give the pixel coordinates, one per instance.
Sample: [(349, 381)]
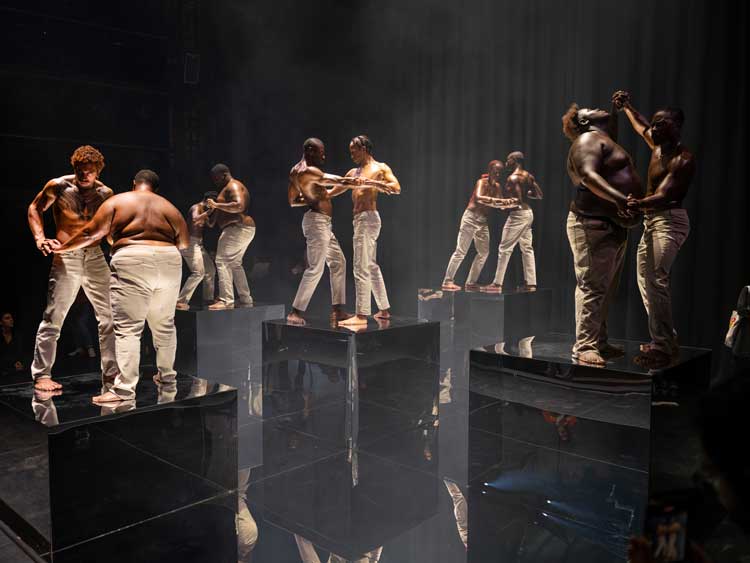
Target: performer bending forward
[(196, 256), (519, 186), (605, 176), (310, 187), (368, 279), (74, 200), (146, 232), (474, 227), (665, 224)]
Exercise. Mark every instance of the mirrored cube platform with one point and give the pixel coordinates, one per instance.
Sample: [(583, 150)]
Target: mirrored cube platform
[(135, 480), (223, 346), (488, 318), (563, 456)]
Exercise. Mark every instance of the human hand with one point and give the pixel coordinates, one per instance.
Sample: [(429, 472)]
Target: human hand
[(54, 245), (633, 203), (620, 98), (210, 203), (43, 245)]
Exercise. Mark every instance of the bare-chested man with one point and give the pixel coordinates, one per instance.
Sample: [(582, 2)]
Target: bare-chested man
[(665, 224), (74, 200), (237, 232), (196, 256), (486, 195), (368, 279), (146, 232), (520, 186), (604, 175), (310, 187)]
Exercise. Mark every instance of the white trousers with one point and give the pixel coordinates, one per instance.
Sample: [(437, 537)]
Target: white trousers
[(70, 271), (322, 249), (233, 243), (473, 228), (368, 279), (201, 268), (145, 285), (517, 231), (664, 233)]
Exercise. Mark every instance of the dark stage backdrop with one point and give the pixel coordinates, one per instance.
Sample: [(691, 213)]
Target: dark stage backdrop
[(441, 88)]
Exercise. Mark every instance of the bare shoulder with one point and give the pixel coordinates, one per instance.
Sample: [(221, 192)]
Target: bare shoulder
[(384, 167), (352, 172), (105, 192), (683, 161), (237, 185)]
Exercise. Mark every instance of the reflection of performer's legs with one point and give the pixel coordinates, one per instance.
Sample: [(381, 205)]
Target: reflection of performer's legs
[(247, 529), (473, 228), (233, 243), (517, 229), (306, 550), (460, 511), (322, 249), (663, 235), (201, 270), (367, 275), (145, 284), (598, 248)]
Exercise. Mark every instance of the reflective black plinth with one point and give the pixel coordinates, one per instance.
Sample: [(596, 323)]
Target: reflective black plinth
[(132, 481), (561, 461)]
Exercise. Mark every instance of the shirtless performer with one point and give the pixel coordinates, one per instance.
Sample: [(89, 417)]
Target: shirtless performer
[(597, 223), (146, 232), (196, 257), (74, 200), (237, 232), (310, 187), (474, 227), (665, 224), (522, 187), (368, 278)]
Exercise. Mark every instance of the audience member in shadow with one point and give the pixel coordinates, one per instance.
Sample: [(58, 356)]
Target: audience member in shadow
[(12, 357)]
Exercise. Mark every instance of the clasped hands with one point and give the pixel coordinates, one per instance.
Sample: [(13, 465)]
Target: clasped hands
[(620, 99), (367, 183), (48, 246)]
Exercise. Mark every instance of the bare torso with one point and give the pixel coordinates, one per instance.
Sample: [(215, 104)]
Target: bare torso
[(143, 217), (74, 207), (232, 192), (661, 165), (305, 180), (488, 189), (517, 186), (366, 199), (196, 231)]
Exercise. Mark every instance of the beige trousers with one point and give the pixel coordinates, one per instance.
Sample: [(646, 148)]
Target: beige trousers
[(368, 279), (664, 233), (473, 228), (598, 256), (201, 268), (145, 285), (322, 249), (517, 231), (308, 554), (70, 271), (233, 243)]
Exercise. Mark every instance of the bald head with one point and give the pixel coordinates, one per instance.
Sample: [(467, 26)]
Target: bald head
[(314, 151), (514, 159)]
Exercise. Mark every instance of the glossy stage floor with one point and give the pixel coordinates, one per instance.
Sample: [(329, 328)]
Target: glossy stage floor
[(407, 441)]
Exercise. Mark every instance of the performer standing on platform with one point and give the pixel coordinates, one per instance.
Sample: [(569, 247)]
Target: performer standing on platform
[(368, 279), (74, 200), (520, 186), (474, 227), (310, 187), (237, 232), (665, 224), (196, 256), (597, 223), (146, 232)]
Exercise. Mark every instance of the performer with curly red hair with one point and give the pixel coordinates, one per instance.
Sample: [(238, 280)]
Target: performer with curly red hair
[(74, 199)]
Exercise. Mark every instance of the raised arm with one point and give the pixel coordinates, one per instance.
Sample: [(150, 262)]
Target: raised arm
[(43, 200), (534, 191), (673, 187), (588, 157), (390, 180), (639, 122), (237, 199), (92, 232)]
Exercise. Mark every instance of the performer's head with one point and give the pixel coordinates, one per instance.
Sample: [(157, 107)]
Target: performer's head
[(220, 175), (577, 121), (6, 320), (210, 195), (146, 180), (514, 159), (314, 151), (666, 126), (87, 164), (360, 147), (494, 170)]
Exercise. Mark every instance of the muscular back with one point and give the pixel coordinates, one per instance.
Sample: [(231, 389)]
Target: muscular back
[(142, 217), (234, 191), (517, 186), (73, 207), (306, 179)]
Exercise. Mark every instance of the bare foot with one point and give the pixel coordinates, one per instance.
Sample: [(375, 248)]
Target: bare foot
[(529, 288), (339, 315), (450, 286), (491, 288), (471, 287), (159, 381), (46, 384), (295, 318), (219, 306), (653, 359), (356, 320), (591, 358), (46, 395), (383, 323), (608, 350), (382, 315), (646, 347), (108, 397), (182, 306)]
